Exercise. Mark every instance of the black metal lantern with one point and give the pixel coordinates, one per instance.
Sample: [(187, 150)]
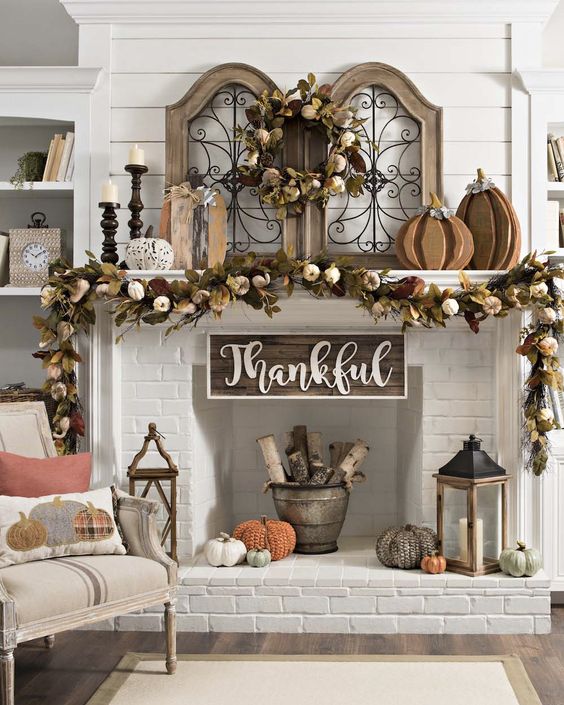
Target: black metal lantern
[(472, 503), (472, 462)]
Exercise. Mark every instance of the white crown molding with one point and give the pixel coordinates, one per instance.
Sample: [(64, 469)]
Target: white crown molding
[(48, 79), (318, 13), (542, 80)]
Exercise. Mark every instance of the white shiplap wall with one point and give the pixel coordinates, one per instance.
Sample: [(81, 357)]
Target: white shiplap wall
[(464, 68)]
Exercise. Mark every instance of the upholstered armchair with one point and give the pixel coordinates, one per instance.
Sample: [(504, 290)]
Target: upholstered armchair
[(42, 598)]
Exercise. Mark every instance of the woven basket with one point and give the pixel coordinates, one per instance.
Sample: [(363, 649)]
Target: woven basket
[(405, 546), (10, 396)]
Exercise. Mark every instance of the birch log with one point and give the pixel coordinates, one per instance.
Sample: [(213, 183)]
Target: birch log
[(335, 453), (298, 467), (272, 460), (354, 458), (314, 451), (338, 475), (300, 442), (289, 440), (321, 476), (345, 450)]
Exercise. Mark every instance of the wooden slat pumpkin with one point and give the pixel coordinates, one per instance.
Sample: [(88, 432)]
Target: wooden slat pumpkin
[(434, 239), (494, 225)]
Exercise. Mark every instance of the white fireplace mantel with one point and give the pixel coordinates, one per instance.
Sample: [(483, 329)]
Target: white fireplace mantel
[(318, 12)]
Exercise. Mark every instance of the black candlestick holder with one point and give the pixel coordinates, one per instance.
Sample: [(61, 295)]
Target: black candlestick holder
[(136, 204), (109, 225)]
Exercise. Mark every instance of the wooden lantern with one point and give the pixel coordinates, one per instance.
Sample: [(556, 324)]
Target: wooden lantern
[(472, 502), (155, 477), (428, 242), (494, 225)]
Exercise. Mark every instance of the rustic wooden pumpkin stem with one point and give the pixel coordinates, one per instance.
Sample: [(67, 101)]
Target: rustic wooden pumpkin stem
[(481, 175), (263, 521), (435, 201)]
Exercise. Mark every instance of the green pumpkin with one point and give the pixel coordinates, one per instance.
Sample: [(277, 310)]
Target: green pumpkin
[(520, 561), (259, 557)]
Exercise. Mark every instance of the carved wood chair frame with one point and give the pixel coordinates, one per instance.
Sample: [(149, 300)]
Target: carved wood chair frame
[(304, 149)]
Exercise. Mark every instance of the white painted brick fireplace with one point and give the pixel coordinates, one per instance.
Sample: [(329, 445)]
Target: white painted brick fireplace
[(458, 383)]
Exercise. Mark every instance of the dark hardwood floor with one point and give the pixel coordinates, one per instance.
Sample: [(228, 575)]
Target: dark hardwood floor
[(69, 673)]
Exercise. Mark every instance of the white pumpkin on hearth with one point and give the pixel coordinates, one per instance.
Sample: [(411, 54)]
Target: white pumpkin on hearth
[(225, 551), (149, 252)]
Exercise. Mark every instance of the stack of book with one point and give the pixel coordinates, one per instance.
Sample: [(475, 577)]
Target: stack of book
[(60, 159)]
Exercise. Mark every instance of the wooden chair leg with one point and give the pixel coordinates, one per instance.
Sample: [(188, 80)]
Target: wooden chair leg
[(7, 677), (170, 628), (49, 641)]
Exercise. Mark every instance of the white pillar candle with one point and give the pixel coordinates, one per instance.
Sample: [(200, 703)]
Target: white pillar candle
[(136, 156), (109, 192), (463, 540)]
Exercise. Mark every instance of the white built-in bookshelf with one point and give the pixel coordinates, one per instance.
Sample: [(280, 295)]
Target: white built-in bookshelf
[(35, 104)]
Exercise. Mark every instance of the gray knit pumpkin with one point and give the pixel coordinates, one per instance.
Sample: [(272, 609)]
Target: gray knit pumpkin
[(405, 546)]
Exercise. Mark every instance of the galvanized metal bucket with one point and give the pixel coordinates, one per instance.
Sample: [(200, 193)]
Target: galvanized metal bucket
[(317, 513)]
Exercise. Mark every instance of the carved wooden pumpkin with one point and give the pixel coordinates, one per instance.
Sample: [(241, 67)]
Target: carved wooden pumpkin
[(435, 563), (430, 240), (278, 536), (58, 517), (494, 225), (26, 535), (93, 524)]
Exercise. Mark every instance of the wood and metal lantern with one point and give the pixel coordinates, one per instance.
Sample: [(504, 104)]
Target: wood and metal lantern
[(155, 477), (472, 503)]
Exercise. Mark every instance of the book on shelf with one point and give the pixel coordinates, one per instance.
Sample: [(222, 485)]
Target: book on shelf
[(552, 172), (69, 171), (65, 156), (49, 161), (557, 156)]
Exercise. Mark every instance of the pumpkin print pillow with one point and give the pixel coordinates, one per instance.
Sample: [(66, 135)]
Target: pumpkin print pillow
[(77, 524)]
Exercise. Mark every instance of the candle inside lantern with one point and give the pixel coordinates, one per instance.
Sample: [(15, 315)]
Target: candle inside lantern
[(463, 540), (136, 156), (109, 192)]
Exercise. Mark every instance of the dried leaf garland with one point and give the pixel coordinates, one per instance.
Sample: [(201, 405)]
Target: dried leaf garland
[(258, 282)]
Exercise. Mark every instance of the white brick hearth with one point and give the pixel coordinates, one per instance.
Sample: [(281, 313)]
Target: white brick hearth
[(350, 592)]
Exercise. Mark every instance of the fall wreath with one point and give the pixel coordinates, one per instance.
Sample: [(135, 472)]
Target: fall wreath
[(283, 187), (71, 294)]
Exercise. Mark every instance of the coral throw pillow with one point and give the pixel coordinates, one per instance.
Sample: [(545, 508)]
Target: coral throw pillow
[(76, 524), (35, 477)]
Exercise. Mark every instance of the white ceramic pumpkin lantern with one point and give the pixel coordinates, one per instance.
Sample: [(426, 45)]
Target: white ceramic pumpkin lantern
[(225, 551), (149, 252)]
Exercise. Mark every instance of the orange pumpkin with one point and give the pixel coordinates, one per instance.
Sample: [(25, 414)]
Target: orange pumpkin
[(494, 225), (426, 242), (278, 537), (435, 563)]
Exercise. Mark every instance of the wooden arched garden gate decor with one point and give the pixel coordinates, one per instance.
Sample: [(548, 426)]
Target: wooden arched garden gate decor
[(407, 128)]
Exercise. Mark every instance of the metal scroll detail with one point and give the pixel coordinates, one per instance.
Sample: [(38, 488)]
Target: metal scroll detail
[(392, 152), (215, 154)]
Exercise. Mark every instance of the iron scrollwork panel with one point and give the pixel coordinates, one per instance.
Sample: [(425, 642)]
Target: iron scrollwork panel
[(392, 184), (215, 155)]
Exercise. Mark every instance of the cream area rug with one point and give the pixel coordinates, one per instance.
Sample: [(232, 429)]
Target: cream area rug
[(141, 679)]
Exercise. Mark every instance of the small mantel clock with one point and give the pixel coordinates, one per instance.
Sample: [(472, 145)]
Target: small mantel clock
[(31, 251)]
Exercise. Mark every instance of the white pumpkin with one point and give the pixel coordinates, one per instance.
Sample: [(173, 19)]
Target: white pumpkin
[(225, 550), (149, 253)]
